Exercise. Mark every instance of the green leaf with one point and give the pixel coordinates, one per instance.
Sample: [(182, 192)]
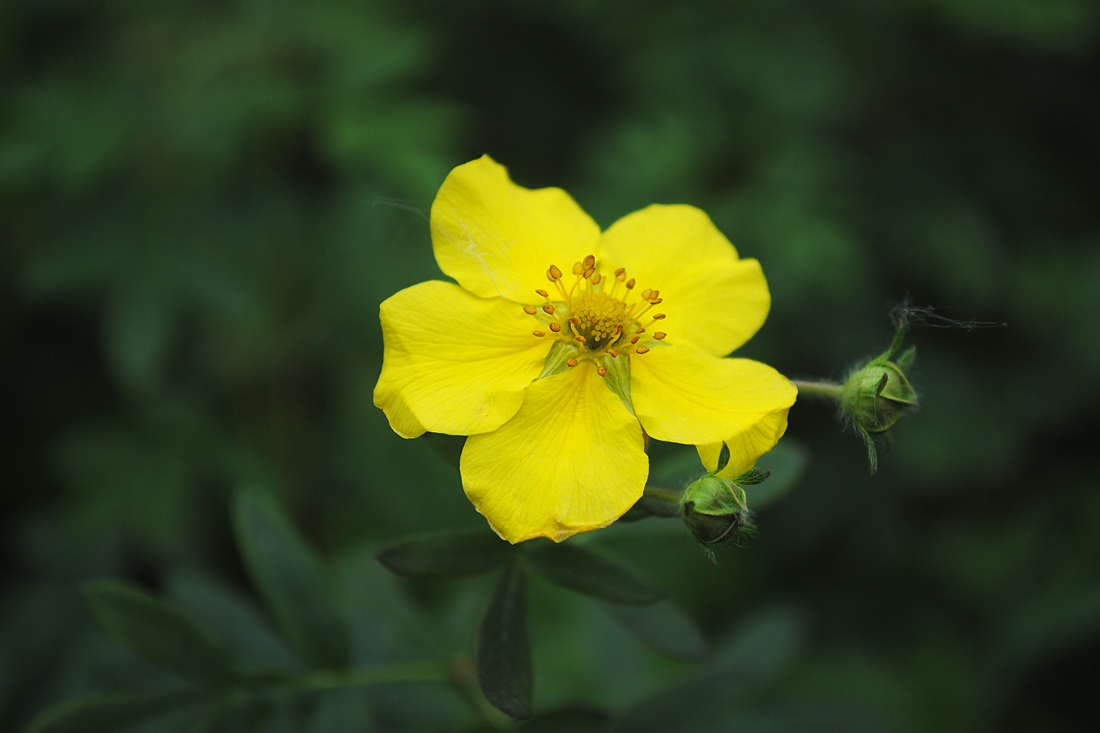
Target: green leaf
[(503, 654), (449, 555), (663, 628), (107, 713), (585, 572), (289, 579), (160, 632)]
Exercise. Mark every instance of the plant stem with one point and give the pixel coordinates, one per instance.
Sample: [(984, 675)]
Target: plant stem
[(407, 672), (661, 502), (828, 390)]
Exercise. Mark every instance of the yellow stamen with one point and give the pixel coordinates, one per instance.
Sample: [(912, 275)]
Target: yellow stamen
[(659, 335), (530, 310), (540, 334)]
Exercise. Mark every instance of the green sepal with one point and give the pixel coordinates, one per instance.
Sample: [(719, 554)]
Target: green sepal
[(448, 555), (161, 632), (662, 627), (585, 572), (110, 712), (907, 358), (290, 579), (618, 378), (504, 669), (556, 360), (752, 477), (723, 458)]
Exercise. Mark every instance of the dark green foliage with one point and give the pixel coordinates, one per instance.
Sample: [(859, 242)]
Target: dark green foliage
[(662, 627), (583, 571), (161, 633), (109, 713), (202, 206), (503, 660), (287, 576), (446, 555)]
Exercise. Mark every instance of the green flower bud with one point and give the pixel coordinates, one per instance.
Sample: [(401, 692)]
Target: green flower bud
[(877, 395), (714, 509)]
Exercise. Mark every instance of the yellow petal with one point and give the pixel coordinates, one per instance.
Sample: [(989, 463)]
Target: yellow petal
[(747, 446), (498, 239), (571, 460), (711, 298), (682, 394), (454, 363)]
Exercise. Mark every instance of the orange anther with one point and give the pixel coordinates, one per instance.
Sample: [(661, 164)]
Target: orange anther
[(646, 294), (589, 261), (654, 293), (655, 301), (620, 272), (530, 310), (658, 316), (571, 362), (581, 339), (574, 321), (578, 268), (548, 308), (588, 272), (540, 334), (659, 335), (555, 327), (596, 278), (639, 330), (612, 353), (635, 339), (554, 274), (630, 284), (641, 350), (601, 370), (543, 293)]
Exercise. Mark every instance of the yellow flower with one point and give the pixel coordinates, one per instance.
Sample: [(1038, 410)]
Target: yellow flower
[(560, 345)]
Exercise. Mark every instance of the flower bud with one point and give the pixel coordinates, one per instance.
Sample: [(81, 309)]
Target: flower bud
[(714, 509), (877, 395)]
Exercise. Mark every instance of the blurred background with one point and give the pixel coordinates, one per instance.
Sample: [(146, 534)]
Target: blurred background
[(203, 204)]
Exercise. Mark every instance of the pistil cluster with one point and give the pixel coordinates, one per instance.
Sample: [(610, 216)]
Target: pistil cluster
[(601, 317)]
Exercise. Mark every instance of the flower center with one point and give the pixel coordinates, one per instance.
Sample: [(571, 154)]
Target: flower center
[(599, 321), (599, 318)]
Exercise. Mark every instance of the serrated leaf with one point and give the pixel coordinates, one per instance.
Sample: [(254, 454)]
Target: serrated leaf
[(160, 632), (662, 627), (504, 668), (450, 555), (586, 572), (289, 578), (111, 712)]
